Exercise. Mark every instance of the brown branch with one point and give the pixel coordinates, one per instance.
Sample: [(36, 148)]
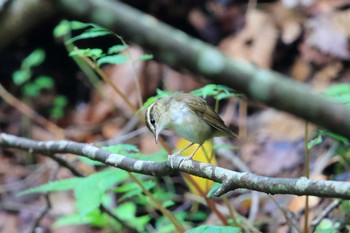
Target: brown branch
[(230, 180)]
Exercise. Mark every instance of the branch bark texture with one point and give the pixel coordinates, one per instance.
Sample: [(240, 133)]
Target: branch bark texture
[(178, 50), (229, 179)]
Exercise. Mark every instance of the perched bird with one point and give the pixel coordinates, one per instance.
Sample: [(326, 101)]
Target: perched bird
[(189, 116)]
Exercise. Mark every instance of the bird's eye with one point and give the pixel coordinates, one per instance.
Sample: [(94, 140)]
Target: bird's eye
[(152, 121)]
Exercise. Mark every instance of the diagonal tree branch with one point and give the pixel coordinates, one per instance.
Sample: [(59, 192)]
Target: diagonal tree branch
[(230, 180), (180, 51)]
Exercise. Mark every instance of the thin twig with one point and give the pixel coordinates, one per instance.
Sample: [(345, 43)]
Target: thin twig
[(64, 163), (29, 112), (159, 205), (47, 207), (324, 213), (229, 179), (307, 175)]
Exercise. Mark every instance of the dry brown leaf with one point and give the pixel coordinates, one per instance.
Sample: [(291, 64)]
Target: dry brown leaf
[(276, 125), (256, 42), (326, 75), (298, 203), (301, 70), (148, 145), (175, 81), (327, 34), (8, 222), (111, 128), (271, 158)]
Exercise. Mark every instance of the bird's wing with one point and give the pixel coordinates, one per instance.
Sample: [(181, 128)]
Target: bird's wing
[(200, 107)]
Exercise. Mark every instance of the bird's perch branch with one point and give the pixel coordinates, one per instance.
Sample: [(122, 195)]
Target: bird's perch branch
[(230, 180)]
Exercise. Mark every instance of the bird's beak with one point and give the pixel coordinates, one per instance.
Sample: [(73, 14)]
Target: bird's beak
[(156, 134)]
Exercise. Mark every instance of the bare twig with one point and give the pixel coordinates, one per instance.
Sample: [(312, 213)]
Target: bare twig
[(27, 111), (230, 180), (63, 163), (324, 213), (47, 206)]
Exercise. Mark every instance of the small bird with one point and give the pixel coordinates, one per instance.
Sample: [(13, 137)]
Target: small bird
[(189, 116)]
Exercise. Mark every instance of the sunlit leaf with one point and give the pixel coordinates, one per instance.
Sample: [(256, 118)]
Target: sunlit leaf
[(207, 90), (93, 53), (30, 89), (117, 48), (113, 59), (60, 101), (44, 82), (314, 142), (122, 148), (59, 185), (21, 76), (145, 57), (90, 33), (94, 218), (338, 89)]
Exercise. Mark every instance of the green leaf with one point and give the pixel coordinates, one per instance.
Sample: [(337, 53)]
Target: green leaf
[(44, 82), (334, 136), (345, 98), (213, 189), (168, 203), (338, 89), (59, 185), (60, 100), (117, 48), (327, 226), (122, 148), (90, 33), (160, 94), (133, 189), (95, 218), (113, 59), (90, 161), (145, 57), (88, 196), (30, 89), (93, 53), (126, 211), (21, 76), (314, 142), (89, 192), (62, 29), (207, 90), (34, 59), (214, 229), (56, 112), (59, 104), (225, 95), (219, 91)]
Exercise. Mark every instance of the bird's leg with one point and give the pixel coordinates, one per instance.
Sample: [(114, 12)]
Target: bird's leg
[(191, 156), (182, 150)]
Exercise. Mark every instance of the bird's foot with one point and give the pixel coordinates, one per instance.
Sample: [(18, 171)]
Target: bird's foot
[(175, 153), (187, 158)]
